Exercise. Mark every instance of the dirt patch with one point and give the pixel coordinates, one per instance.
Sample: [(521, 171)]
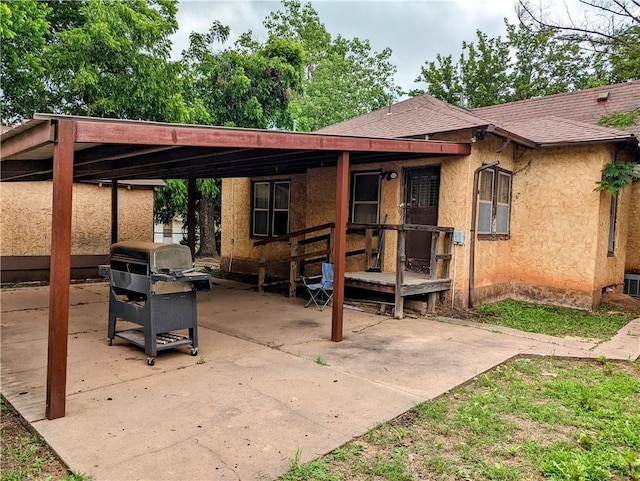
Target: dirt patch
[(24, 454), (616, 301), (306, 323), (466, 314)]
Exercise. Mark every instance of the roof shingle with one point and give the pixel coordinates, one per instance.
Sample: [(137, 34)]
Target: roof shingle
[(582, 106), (416, 116), (561, 118)]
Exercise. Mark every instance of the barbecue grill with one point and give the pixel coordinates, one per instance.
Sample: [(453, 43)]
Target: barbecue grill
[(153, 285)]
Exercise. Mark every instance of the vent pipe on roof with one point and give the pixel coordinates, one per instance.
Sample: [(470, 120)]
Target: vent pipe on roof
[(462, 99)]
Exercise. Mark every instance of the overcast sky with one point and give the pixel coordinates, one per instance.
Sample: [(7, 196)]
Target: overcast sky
[(415, 30)]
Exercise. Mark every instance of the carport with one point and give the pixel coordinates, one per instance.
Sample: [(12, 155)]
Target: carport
[(65, 149)]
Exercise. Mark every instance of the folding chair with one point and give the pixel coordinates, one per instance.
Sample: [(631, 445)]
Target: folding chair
[(321, 292)]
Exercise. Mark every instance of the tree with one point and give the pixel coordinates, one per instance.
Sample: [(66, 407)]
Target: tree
[(529, 63), (23, 30), (610, 28), (113, 61), (343, 78), (248, 86), (171, 202), (64, 15), (545, 64), (480, 76)]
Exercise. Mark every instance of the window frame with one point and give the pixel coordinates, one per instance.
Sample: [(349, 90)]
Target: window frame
[(352, 194), (270, 210), (493, 234), (613, 226)]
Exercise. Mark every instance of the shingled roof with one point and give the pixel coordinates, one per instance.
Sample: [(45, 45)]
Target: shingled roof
[(559, 119), (585, 106), (413, 117), (549, 131)]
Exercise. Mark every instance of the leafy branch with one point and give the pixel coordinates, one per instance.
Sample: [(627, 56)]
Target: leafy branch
[(616, 176), (620, 120)]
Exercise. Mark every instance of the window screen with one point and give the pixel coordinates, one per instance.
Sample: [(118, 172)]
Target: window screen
[(485, 202), (280, 208), (270, 209), (261, 191), (503, 203), (494, 202), (613, 214), (365, 198)]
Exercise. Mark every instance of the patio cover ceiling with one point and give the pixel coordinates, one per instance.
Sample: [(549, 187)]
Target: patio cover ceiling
[(122, 149), (66, 149)]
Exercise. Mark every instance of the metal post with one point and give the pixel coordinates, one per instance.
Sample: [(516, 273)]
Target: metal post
[(60, 273), (191, 216), (339, 257), (114, 211)]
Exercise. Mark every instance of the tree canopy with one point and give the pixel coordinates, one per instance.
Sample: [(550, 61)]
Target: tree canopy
[(246, 86), (343, 78), (608, 28), (528, 63), (23, 30)]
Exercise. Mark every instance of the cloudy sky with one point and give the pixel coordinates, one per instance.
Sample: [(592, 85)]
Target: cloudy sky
[(415, 30)]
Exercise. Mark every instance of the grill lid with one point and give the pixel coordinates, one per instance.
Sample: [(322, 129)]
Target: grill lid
[(161, 258)]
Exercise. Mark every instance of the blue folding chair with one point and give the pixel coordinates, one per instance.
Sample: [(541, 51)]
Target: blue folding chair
[(320, 293)]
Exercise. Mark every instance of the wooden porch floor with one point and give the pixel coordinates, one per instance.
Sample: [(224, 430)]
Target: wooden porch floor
[(413, 282)]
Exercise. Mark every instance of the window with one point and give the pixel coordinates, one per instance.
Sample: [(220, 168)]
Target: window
[(613, 214), (494, 203), (424, 190), (365, 198), (270, 208)]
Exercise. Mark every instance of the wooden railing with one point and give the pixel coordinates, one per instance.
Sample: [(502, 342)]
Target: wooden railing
[(436, 257), (320, 247)]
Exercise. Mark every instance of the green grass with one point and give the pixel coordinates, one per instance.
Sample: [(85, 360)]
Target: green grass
[(528, 419), (25, 456), (554, 321), (320, 361)]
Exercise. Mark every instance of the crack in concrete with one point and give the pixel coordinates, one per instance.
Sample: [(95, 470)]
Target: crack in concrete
[(219, 457), (193, 437), (368, 326), (46, 308), (296, 413)]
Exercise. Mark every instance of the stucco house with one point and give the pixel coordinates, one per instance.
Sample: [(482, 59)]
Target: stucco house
[(528, 223), (25, 234)]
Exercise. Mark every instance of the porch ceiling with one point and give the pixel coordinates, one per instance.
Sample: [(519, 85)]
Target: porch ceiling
[(120, 149)]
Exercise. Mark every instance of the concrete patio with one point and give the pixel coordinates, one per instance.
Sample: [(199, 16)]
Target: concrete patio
[(254, 395)]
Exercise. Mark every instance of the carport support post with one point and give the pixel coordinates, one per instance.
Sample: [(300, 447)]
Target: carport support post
[(114, 211), (60, 273), (191, 216), (340, 246)]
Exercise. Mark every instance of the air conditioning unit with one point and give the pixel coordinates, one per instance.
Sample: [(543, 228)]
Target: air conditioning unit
[(632, 284)]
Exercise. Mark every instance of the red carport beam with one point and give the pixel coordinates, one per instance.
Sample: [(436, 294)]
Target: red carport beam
[(146, 133), (60, 273), (339, 255)]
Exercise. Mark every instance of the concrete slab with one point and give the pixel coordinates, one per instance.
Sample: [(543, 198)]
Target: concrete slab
[(256, 394)]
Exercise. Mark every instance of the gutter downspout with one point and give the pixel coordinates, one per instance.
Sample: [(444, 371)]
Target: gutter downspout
[(472, 245)]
